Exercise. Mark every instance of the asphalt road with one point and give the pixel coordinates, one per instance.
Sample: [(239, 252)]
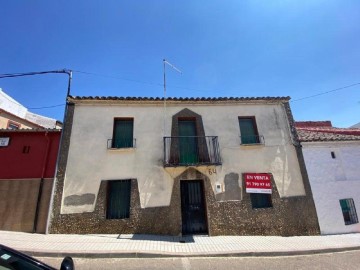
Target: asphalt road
[(328, 261)]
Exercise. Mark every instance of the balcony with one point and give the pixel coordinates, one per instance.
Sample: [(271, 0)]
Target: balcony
[(191, 151), (252, 140)]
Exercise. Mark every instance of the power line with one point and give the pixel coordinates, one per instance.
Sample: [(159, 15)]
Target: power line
[(142, 82), (116, 77), (63, 71), (47, 107), (204, 91), (12, 75), (324, 93)]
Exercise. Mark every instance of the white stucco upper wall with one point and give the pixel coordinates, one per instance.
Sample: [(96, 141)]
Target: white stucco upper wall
[(89, 160), (9, 104)]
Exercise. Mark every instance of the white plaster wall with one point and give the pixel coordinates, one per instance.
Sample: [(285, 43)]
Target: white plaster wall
[(332, 180), (11, 105), (90, 161)]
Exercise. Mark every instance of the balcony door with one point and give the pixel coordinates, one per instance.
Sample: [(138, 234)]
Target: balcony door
[(187, 142)]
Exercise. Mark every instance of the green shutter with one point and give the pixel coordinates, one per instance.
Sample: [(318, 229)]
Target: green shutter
[(187, 142), (248, 131), (119, 199), (123, 133), (344, 206)]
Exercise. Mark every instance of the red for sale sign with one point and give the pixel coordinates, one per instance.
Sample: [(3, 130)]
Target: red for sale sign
[(258, 183)]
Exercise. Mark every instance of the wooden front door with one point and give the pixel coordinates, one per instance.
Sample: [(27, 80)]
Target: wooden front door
[(193, 207)]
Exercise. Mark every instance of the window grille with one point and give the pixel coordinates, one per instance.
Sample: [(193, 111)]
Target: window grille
[(349, 211)]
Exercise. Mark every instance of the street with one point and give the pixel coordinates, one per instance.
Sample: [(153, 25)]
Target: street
[(338, 260)]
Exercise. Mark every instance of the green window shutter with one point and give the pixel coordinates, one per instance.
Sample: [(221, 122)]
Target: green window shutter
[(188, 142), (118, 206), (344, 206), (248, 131), (123, 133)]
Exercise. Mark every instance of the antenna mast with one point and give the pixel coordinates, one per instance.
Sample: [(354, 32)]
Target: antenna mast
[(164, 64)]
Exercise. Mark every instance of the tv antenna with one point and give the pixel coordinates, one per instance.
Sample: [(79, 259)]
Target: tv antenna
[(165, 62)]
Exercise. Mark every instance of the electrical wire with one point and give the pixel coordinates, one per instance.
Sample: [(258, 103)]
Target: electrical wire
[(47, 107), (13, 75), (204, 91), (115, 77), (327, 92), (148, 83), (143, 82)]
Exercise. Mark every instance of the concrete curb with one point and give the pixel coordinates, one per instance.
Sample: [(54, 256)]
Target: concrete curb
[(141, 254)]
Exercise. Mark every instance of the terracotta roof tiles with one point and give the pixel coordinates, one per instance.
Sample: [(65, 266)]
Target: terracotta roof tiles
[(178, 98), (324, 131)]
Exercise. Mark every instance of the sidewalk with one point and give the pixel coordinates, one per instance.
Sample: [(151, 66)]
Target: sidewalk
[(117, 246)]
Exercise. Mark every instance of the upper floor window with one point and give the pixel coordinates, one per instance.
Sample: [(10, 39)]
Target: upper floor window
[(248, 130), (123, 133), (13, 125)]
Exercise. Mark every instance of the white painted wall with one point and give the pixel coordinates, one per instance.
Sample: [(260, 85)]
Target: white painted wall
[(332, 180), (90, 161)]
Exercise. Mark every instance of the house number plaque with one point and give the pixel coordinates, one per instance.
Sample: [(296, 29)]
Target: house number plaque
[(212, 171)]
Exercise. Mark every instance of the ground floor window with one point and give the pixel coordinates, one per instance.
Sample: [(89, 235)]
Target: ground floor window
[(118, 199), (260, 200), (349, 211)]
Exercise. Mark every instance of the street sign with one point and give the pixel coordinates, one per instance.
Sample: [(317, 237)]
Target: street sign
[(4, 141)]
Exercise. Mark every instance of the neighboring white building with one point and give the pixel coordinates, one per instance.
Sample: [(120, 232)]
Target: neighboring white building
[(203, 165), (15, 116), (332, 158)]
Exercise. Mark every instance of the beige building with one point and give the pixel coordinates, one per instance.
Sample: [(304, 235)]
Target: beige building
[(206, 165), (11, 121)]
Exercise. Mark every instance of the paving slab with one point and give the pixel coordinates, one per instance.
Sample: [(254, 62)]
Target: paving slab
[(139, 245)]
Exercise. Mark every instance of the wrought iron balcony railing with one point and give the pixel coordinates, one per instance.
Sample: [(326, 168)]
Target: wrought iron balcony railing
[(191, 151), (118, 144), (252, 140)]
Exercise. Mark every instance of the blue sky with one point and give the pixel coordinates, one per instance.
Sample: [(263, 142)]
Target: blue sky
[(224, 48)]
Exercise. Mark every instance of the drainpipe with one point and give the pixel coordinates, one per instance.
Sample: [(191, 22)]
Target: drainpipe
[(41, 182)]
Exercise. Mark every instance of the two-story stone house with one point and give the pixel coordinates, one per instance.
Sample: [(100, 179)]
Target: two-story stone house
[(217, 166)]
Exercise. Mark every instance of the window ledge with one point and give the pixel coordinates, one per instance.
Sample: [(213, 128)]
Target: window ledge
[(127, 149), (252, 145)]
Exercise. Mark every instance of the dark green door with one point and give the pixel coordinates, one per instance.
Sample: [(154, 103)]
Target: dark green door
[(193, 207), (187, 142)]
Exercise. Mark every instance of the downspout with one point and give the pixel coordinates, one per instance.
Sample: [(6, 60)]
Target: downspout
[(44, 167)]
